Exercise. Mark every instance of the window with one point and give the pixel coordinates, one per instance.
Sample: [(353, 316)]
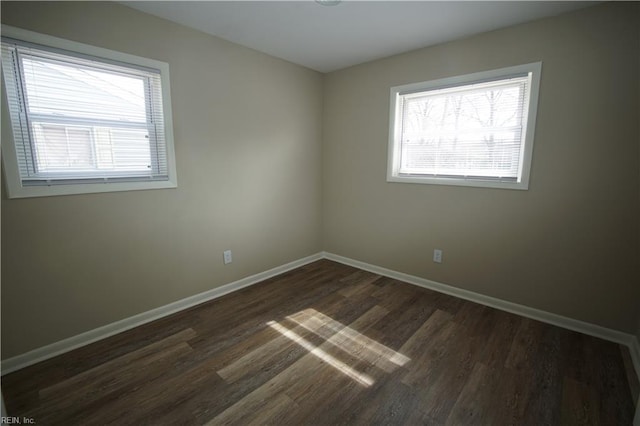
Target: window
[(472, 130), (84, 119)]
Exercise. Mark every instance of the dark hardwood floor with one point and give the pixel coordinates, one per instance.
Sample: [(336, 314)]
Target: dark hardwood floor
[(331, 344)]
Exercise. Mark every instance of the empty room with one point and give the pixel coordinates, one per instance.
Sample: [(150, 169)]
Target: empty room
[(320, 212)]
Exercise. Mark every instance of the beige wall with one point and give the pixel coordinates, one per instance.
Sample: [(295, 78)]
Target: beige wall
[(569, 244), (252, 175), (247, 136)]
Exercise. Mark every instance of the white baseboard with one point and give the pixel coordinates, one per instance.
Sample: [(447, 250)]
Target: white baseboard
[(547, 317), (49, 351)]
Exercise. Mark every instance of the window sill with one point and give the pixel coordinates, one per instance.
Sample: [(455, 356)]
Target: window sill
[(495, 184), (19, 191)]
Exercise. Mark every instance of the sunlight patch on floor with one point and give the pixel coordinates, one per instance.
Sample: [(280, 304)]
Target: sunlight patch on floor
[(314, 350), (346, 339)]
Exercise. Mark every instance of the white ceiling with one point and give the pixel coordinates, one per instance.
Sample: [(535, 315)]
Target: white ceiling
[(327, 38)]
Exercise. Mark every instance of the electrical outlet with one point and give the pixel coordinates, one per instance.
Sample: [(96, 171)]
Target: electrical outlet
[(437, 256), (227, 257)]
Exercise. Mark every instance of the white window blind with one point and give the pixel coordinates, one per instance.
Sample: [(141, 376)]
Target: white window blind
[(465, 129), (77, 118), (473, 130)]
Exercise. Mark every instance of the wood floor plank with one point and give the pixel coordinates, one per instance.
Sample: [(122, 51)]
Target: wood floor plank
[(158, 397), (268, 355), (422, 338), (274, 413), (259, 398), (547, 374), (521, 352), (469, 407), (390, 404), (224, 356), (392, 294), (451, 372), (403, 321), (323, 395), (500, 339), (330, 344), (508, 397), (360, 277), (491, 396), (116, 366), (580, 404), (350, 340), (74, 404), (99, 383), (424, 367)]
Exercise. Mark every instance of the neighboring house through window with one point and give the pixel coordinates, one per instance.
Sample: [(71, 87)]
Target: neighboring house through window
[(84, 119)]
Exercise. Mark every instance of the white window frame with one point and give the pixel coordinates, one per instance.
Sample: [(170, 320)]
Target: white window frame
[(395, 124), (16, 189)]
